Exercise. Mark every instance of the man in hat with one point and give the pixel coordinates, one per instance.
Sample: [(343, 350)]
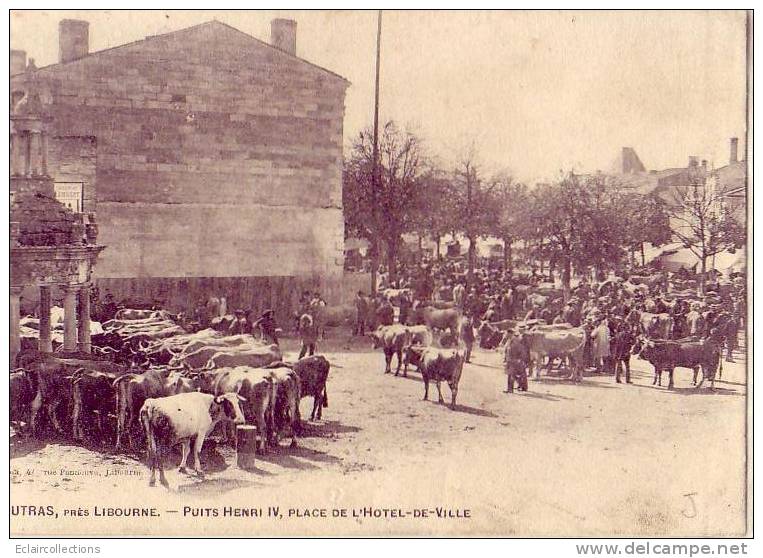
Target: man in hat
[(240, 324), (267, 326), (361, 313)]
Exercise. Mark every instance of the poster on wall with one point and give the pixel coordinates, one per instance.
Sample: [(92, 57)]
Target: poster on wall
[(70, 194)]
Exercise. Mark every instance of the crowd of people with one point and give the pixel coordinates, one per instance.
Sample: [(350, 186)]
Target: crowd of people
[(601, 308)]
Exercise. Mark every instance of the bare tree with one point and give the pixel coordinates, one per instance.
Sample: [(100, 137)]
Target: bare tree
[(513, 212), (477, 206), (702, 220), (398, 196)]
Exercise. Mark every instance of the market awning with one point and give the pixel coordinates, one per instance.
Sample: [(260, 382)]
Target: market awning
[(680, 259)]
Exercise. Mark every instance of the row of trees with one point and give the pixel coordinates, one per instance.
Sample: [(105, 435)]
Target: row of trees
[(574, 223)]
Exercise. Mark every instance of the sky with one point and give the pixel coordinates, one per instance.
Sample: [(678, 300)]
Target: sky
[(533, 92)]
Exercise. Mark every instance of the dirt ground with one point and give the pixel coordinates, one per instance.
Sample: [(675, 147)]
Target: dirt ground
[(588, 459)]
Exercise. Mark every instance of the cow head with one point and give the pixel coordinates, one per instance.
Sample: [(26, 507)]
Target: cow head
[(205, 381), (230, 405), (376, 338), (413, 353), (640, 344)]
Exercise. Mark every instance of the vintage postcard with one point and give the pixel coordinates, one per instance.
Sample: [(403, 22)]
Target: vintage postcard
[(380, 273)]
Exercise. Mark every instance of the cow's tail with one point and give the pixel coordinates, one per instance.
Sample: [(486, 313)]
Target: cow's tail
[(325, 396), (120, 391), (145, 420)]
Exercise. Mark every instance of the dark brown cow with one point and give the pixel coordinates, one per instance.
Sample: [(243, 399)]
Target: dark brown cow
[(94, 396), (54, 388), (313, 373), (23, 388), (667, 355), (132, 390)]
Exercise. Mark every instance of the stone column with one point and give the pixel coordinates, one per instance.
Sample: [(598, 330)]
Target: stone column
[(15, 147), (34, 152), (27, 153), (15, 310), (44, 153), (70, 317), (46, 343), (84, 319)]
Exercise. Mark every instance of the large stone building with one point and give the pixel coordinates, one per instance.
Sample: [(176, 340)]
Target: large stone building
[(213, 160)]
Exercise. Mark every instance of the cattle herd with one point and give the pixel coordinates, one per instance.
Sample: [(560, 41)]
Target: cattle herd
[(152, 383), (595, 326)]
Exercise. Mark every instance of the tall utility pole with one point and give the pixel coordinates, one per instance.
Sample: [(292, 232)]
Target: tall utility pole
[(375, 168)]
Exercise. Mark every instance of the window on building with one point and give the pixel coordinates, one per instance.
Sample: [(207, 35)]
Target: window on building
[(70, 194)]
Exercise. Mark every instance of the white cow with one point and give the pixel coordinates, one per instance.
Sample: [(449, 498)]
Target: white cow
[(178, 419)]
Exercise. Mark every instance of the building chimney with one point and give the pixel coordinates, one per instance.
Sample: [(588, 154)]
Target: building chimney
[(18, 62), (704, 165), (283, 35), (693, 161), (733, 150), (73, 39)]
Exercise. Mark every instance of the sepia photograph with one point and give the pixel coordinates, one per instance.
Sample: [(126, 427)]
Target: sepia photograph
[(380, 273)]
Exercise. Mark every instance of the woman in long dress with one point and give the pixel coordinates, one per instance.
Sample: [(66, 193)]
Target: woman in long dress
[(600, 345)]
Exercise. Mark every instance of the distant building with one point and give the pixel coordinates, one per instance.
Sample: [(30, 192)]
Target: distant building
[(213, 159), (731, 178), (729, 184)]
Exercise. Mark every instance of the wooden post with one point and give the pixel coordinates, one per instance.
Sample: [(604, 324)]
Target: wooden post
[(246, 446)]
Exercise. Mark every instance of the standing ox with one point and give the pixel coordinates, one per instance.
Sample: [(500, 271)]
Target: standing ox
[(93, 396), (667, 355), (132, 390), (313, 372), (658, 326), (553, 343), (256, 386), (286, 406), (23, 388), (392, 339), (181, 418), (445, 319), (440, 365)]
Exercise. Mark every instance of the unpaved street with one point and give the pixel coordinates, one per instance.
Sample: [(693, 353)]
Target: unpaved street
[(561, 459)]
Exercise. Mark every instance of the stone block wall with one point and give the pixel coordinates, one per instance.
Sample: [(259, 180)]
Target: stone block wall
[(217, 155), (73, 159)]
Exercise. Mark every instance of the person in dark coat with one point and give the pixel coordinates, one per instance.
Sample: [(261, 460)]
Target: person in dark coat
[(361, 313), (405, 308), (267, 326), (308, 333), (467, 336)]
